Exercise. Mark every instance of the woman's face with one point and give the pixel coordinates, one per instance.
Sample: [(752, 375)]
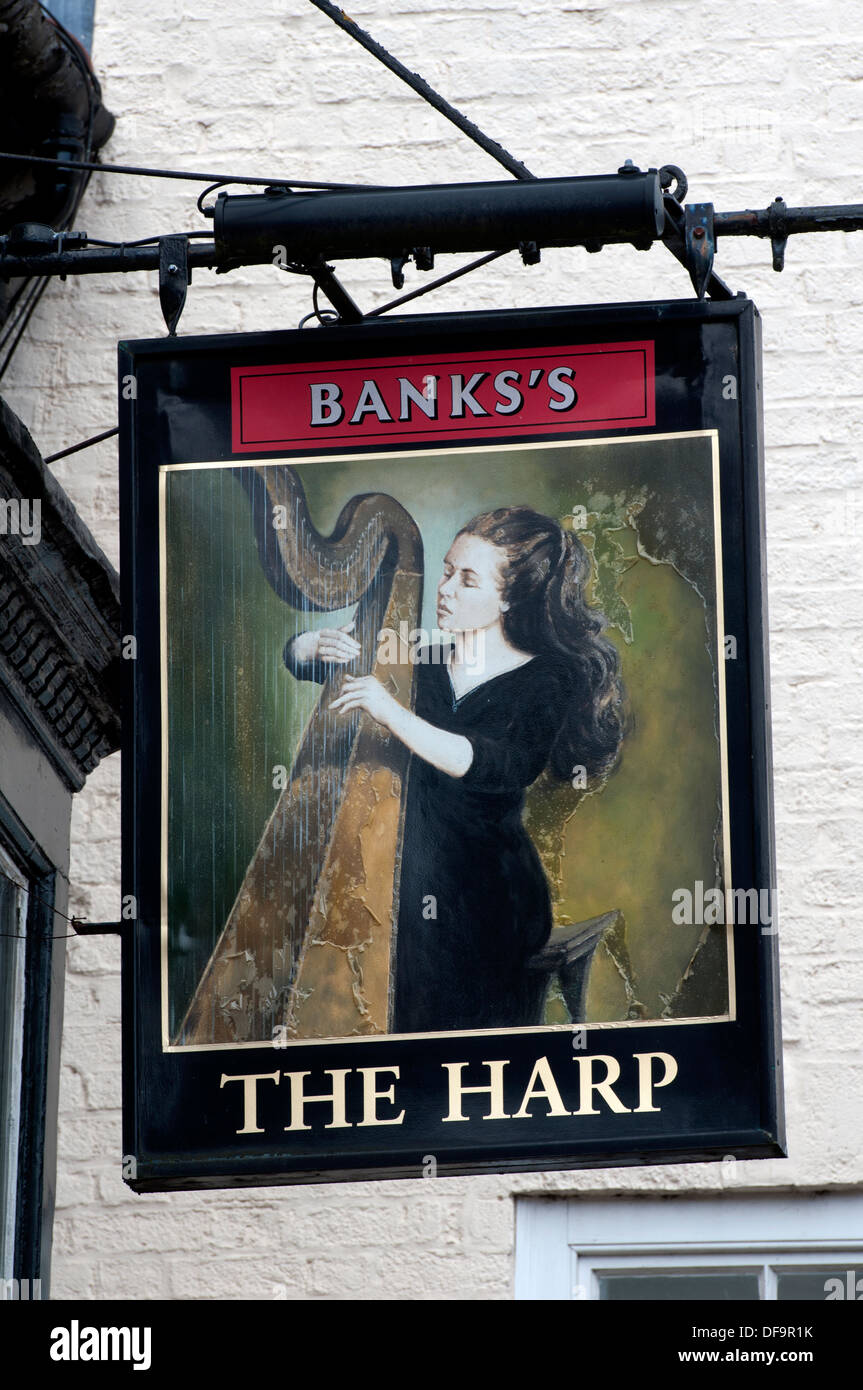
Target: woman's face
[(469, 594)]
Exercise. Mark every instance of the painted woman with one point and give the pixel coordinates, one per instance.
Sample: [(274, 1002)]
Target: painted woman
[(529, 682)]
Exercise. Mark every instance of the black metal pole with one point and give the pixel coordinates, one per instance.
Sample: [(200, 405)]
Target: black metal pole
[(457, 217), (462, 217), (829, 218), (421, 87), (99, 260)]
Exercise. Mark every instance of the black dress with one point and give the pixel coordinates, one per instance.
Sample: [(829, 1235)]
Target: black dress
[(474, 903)]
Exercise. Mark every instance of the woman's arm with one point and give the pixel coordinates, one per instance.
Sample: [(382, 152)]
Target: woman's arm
[(310, 656), (449, 753)]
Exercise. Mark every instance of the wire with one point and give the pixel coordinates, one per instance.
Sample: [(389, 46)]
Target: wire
[(216, 179), (32, 892), (75, 48), (18, 306), (94, 98), (435, 284), (85, 444), (68, 214), (14, 298), (25, 317), (141, 241), (24, 936), (323, 316), (211, 188)]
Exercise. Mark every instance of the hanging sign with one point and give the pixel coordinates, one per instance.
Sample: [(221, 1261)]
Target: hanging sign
[(447, 828)]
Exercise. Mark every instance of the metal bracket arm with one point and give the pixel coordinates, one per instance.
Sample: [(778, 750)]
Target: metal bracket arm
[(699, 242)]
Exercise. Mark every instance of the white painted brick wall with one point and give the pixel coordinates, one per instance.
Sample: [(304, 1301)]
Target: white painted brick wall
[(752, 100)]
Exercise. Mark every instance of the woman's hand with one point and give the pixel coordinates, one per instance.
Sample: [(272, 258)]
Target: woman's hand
[(333, 644), (449, 753), (366, 693)]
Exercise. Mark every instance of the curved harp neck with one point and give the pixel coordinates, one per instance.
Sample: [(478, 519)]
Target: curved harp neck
[(373, 535)]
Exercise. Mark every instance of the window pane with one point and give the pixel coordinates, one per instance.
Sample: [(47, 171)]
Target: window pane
[(13, 920), (686, 1286), (76, 16), (814, 1285)]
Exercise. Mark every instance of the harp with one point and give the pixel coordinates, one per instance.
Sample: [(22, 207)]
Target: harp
[(308, 946)]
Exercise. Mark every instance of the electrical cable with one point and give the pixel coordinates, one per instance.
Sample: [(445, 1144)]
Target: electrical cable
[(211, 188), (18, 306), (93, 166), (323, 316), (16, 295), (75, 48), (33, 893), (23, 321), (94, 97), (55, 936), (19, 321), (141, 241)]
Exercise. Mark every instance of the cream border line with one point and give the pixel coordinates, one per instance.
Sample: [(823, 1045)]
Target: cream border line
[(424, 455)]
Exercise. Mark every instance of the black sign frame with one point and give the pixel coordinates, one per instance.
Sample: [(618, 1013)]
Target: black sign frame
[(183, 1127)]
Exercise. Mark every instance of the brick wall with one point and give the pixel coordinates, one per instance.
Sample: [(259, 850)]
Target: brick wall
[(752, 100)]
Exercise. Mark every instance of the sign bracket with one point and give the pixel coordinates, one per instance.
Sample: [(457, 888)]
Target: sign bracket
[(700, 244), (175, 276)]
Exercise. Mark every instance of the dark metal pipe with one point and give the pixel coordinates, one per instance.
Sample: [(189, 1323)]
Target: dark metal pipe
[(763, 222), (99, 260), (558, 212), (469, 217)]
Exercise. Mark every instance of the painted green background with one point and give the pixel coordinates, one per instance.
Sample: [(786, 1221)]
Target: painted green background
[(235, 712)]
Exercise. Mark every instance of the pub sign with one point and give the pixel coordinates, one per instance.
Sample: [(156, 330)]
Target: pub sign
[(447, 819)]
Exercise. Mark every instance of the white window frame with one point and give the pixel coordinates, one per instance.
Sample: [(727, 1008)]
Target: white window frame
[(12, 1002), (563, 1246)]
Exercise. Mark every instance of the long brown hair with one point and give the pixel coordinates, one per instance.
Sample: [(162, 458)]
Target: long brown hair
[(544, 577)]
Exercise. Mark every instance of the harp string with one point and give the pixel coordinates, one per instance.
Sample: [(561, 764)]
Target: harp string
[(251, 985)]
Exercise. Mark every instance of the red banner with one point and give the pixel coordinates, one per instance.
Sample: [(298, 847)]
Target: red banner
[(443, 396)]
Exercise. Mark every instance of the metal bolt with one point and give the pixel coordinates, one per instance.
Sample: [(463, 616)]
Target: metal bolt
[(698, 232), (172, 269)]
